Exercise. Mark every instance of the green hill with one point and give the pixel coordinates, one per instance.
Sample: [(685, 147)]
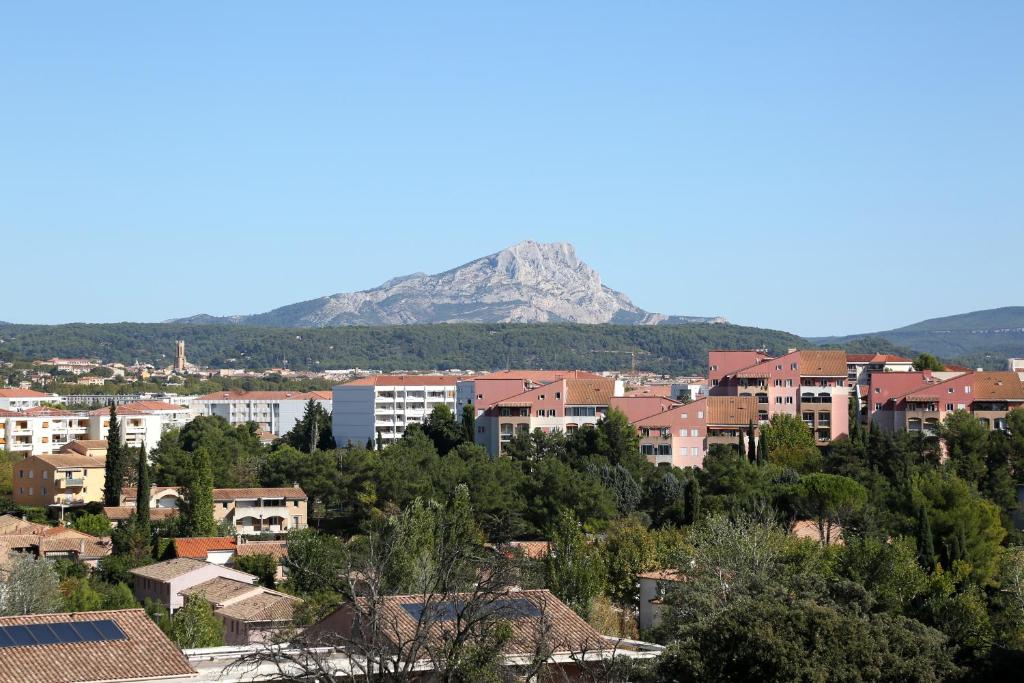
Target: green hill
[(674, 349)]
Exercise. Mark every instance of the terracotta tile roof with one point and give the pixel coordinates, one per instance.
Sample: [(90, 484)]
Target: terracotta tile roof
[(290, 492), (530, 613), (221, 589), (822, 363), (87, 547), (258, 396), (731, 410), (145, 653), (169, 569), (198, 548), (276, 549), (638, 407), (539, 376), (84, 445), (262, 607), (875, 358), (123, 512), (9, 524), (589, 392), (997, 386), (40, 411), (23, 393), (72, 460), (662, 575), (404, 381), (535, 550), (142, 408), (129, 492)]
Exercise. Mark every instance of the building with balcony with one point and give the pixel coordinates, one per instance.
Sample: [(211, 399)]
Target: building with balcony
[(262, 510), (22, 399), (924, 400), (380, 407), (681, 435), (272, 411), (563, 405), (41, 430), (860, 366), (810, 385), (58, 480)]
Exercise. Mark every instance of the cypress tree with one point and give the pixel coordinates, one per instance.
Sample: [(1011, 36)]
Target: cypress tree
[(142, 494), (751, 443), (925, 543), (762, 450), (740, 446), (369, 443), (380, 440), (691, 508), (197, 503), (469, 423), (115, 465)]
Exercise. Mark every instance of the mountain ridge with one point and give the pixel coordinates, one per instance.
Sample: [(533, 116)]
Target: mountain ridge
[(529, 282)]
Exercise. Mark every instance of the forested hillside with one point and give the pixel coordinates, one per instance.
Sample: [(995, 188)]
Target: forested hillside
[(666, 349)]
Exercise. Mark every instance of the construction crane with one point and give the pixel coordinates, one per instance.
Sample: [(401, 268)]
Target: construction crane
[(633, 353)]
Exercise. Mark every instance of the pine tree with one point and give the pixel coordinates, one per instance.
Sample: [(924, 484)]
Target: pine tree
[(197, 501), (751, 443), (925, 543), (691, 508), (115, 465), (142, 492), (469, 422)]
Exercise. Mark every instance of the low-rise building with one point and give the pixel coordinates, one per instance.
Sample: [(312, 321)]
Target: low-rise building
[(379, 408), (58, 480), (248, 613), (51, 542), (22, 399), (212, 549), (653, 586), (164, 581), (114, 646), (271, 411), (860, 366), (262, 510)]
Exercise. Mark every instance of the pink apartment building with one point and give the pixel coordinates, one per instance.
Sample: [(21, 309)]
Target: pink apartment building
[(682, 434), (811, 385)]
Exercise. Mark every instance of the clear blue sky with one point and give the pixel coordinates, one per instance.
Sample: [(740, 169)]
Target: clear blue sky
[(816, 167)]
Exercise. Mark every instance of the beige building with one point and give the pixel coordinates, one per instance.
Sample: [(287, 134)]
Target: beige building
[(248, 613), (58, 479), (164, 581), (262, 510)]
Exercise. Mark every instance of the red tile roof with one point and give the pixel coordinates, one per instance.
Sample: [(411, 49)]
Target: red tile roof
[(142, 408), (404, 381), (260, 396), (146, 652), (291, 492), (538, 376), (23, 393), (198, 548), (875, 358)]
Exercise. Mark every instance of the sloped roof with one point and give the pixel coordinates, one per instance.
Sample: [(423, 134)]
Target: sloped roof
[(638, 407), (9, 524), (169, 569), (82, 446), (123, 512), (198, 548), (875, 358), (145, 653), (276, 549), (538, 376), (404, 381), (823, 363), (731, 410), (72, 460), (291, 492), (142, 408), (589, 392), (221, 589), (23, 393), (262, 607), (259, 396), (997, 386)]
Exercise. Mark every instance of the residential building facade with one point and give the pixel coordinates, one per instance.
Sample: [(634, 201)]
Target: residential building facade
[(262, 510), (22, 399), (681, 435), (380, 407), (860, 366), (272, 411), (58, 479)]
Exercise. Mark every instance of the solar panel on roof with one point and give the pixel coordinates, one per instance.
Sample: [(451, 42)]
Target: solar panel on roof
[(61, 632), (515, 608)]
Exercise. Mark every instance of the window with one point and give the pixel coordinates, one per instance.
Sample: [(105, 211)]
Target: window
[(714, 368), (693, 450), (295, 503), (295, 521), (789, 382), (46, 475), (714, 382), (878, 390), (778, 382), (779, 367), (792, 366), (950, 390), (542, 397), (224, 505), (44, 490), (967, 389), (949, 406), (778, 400), (30, 490), (700, 414), (693, 432), (540, 412), (558, 395), (31, 474), (960, 406), (789, 400), (664, 449), (646, 449), (551, 412), (878, 406)]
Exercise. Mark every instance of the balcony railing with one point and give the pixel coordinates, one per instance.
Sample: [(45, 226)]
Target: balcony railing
[(70, 482)]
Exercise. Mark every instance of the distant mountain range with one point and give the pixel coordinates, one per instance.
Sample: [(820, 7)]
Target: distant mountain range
[(979, 338), (526, 283)]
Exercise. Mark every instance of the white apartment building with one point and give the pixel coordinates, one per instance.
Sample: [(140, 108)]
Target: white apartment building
[(104, 400), (41, 431), (22, 399), (859, 366), (384, 405), (272, 411)]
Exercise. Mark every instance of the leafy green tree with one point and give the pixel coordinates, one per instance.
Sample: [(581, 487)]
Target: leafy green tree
[(573, 570), (319, 473), (313, 431), (629, 550), (790, 443), (197, 498), (665, 497), (315, 563), (95, 525), (261, 565), (554, 486), (828, 499), (441, 428), (142, 490), (115, 466), (6, 475), (618, 440), (28, 586), (195, 625), (469, 423), (965, 439), (927, 361), (235, 452)]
